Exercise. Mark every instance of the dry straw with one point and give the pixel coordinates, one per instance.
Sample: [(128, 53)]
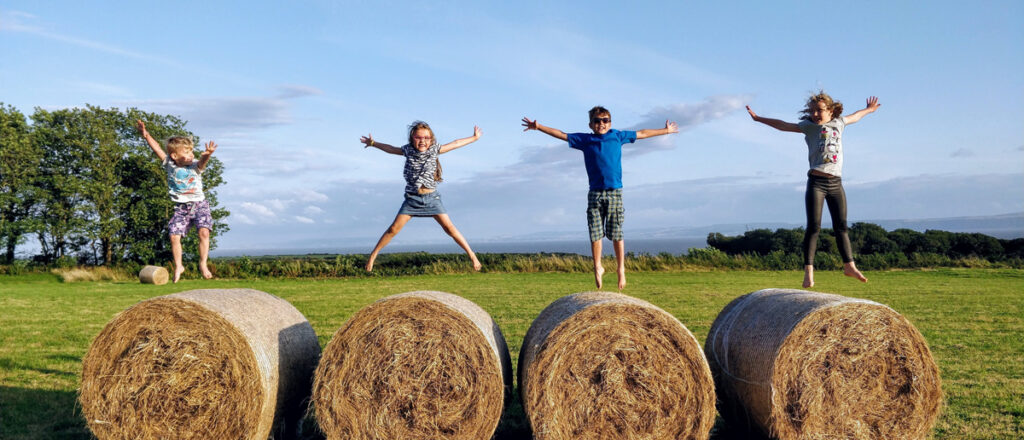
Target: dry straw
[(201, 364), (418, 365), (807, 365), (599, 365), (153, 275)]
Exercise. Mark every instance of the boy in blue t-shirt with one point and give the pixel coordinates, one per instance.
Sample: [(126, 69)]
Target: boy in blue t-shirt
[(602, 155)]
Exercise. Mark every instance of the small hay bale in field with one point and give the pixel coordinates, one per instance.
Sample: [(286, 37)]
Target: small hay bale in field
[(417, 365), (203, 364), (599, 365), (803, 365), (153, 275)]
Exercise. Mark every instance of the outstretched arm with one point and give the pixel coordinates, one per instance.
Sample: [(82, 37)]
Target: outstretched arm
[(461, 142), (553, 132), (872, 105), (774, 123), (670, 127), (205, 156), (368, 140), (153, 144)]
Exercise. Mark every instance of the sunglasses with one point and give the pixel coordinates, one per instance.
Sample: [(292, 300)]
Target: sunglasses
[(599, 120)]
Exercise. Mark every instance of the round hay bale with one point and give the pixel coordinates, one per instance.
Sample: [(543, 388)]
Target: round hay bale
[(802, 365), (417, 365), (211, 363), (600, 365), (153, 275)]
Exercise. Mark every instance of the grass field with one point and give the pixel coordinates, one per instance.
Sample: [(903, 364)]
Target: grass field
[(973, 320)]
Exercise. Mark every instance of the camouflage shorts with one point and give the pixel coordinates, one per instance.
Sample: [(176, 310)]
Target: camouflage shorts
[(605, 214), (190, 214)]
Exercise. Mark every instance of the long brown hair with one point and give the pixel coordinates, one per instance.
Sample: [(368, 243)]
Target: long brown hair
[(835, 106), (420, 125)]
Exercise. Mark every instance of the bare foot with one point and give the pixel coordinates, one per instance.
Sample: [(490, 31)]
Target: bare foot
[(808, 276), (622, 278), (850, 270), (206, 271), (177, 273), (598, 273)]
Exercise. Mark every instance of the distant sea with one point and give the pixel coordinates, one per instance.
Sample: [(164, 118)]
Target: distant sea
[(675, 246)]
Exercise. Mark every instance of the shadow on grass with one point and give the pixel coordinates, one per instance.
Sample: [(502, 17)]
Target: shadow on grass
[(40, 414)]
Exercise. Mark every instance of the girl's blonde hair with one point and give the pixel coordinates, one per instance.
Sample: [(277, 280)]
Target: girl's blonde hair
[(835, 106), (420, 125), (179, 144)]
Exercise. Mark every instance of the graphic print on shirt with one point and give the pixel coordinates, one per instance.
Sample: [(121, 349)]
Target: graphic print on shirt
[(828, 144), (183, 181)]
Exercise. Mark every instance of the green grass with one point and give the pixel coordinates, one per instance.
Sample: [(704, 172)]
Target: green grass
[(973, 320)]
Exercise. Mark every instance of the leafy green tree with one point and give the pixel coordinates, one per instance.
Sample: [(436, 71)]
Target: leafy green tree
[(62, 212), (869, 238), (19, 171)]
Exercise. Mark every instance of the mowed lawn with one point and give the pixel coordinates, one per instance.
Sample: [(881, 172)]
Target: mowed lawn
[(973, 320)]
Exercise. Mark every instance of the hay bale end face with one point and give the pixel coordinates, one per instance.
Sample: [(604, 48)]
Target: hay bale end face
[(153, 275), (609, 366), (799, 364), (212, 363), (418, 365)]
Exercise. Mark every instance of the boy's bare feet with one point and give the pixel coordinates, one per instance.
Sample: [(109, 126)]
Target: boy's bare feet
[(850, 270), (808, 276), (598, 273), (206, 271), (177, 273), (622, 277)]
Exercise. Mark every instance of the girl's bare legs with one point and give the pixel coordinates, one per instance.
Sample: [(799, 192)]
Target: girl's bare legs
[(808, 276), (595, 248), (397, 225), (449, 228), (204, 252), (176, 252), (620, 260), (850, 270)]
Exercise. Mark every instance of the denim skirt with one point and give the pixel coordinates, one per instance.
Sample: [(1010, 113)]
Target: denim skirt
[(422, 205)]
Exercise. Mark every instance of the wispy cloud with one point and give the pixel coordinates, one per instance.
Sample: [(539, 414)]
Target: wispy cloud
[(687, 115)]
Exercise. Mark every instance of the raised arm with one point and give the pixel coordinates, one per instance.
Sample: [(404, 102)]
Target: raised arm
[(670, 127), (205, 156), (774, 123), (553, 132), (461, 142), (368, 140), (153, 144), (872, 105)]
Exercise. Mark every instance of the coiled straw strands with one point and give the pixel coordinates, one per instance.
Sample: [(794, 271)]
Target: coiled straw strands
[(153, 275), (599, 365), (807, 365), (418, 365), (202, 364)]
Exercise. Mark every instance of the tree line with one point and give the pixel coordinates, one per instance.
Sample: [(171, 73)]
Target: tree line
[(84, 184), (871, 239)]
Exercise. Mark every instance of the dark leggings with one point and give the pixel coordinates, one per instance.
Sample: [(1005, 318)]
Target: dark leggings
[(829, 189)]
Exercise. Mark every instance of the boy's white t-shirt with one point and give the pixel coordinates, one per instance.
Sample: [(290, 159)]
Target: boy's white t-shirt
[(185, 184), (825, 145)]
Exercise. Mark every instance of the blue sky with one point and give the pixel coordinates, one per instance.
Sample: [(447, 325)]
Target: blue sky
[(286, 89)]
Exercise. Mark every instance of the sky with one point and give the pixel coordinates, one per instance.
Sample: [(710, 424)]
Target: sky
[(287, 88)]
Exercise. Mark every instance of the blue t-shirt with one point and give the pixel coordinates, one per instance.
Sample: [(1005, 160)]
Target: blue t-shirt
[(602, 155)]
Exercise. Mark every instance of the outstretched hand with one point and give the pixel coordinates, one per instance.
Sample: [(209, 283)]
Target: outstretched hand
[(672, 127), (477, 131), (141, 126), (872, 103), (530, 125), (368, 140), (752, 114), (210, 148)]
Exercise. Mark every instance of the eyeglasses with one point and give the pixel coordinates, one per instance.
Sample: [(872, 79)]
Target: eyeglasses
[(600, 120)]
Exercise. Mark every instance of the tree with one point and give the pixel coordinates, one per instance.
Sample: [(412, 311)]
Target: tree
[(19, 171), (869, 238), (61, 214)]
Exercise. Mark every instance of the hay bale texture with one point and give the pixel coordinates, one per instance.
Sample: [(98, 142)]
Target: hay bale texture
[(598, 365), (803, 365), (201, 364), (153, 275), (417, 365)]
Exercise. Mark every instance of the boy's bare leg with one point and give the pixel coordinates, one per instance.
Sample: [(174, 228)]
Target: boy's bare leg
[(595, 248), (397, 225), (808, 276), (204, 252), (176, 252), (452, 231), (850, 270), (620, 260)]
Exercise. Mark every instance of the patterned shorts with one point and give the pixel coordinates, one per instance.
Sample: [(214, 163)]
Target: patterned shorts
[(190, 214), (605, 214)]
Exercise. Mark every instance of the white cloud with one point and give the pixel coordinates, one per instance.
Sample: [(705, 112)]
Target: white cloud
[(313, 210), (687, 116), (258, 209), (302, 219)]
